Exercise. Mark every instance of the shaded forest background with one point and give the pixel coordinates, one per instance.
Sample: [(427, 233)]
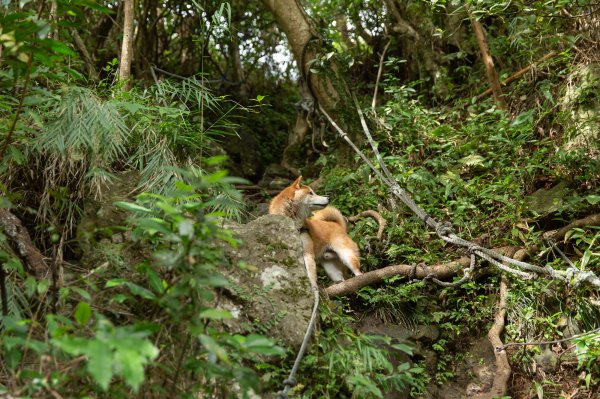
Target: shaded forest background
[(186, 114)]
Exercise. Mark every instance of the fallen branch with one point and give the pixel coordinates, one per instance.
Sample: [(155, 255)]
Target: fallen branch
[(488, 61), (444, 270), (421, 271), (499, 386), (21, 243), (517, 75), (375, 215), (592, 220)]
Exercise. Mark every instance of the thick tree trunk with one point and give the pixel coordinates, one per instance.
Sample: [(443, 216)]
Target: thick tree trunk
[(127, 46), (296, 26)]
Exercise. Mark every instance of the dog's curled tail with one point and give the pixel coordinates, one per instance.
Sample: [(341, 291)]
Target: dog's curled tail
[(330, 214)]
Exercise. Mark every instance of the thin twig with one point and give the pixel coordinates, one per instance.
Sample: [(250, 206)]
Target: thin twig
[(375, 215), (517, 74), (379, 70)]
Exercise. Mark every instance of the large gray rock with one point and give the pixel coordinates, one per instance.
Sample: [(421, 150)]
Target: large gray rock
[(270, 293)]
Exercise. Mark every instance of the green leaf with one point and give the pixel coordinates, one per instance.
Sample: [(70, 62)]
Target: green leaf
[(83, 313), (216, 280), (593, 199), (472, 160), (585, 259), (215, 314), (83, 293), (262, 345), (213, 347), (130, 206), (155, 282), (154, 225), (404, 348), (42, 286), (186, 228), (131, 366), (141, 291), (115, 282), (100, 362)]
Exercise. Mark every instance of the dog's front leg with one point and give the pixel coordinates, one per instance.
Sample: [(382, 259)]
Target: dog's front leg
[(309, 258)]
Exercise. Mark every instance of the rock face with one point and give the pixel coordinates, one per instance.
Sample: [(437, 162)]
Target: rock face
[(270, 293)]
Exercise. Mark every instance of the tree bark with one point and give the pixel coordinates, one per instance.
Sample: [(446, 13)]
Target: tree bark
[(22, 245), (420, 271), (503, 370), (296, 26), (127, 46), (89, 63), (490, 69), (518, 74)]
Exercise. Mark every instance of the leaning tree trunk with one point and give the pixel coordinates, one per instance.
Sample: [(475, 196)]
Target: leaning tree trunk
[(127, 46), (303, 40), (296, 26), (488, 61)]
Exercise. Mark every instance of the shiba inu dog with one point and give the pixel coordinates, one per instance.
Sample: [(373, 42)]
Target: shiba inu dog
[(324, 236)]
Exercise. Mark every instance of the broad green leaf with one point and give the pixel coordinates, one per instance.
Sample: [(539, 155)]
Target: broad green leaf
[(100, 362), (213, 347), (42, 286), (83, 313), (214, 281), (141, 291), (262, 345), (593, 199), (115, 282), (472, 160), (587, 255), (130, 365), (404, 348), (215, 314), (83, 293), (154, 225), (186, 228)]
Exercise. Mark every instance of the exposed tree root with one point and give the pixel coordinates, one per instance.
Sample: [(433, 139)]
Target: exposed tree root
[(500, 384), (420, 271), (592, 220), (353, 284), (375, 215), (21, 243)]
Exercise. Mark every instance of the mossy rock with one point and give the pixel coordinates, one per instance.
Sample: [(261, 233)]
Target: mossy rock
[(271, 294)]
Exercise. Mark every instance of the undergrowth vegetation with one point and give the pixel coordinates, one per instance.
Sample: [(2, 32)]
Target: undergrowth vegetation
[(479, 168)]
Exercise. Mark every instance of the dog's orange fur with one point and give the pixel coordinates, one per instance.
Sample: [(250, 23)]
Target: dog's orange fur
[(327, 242)]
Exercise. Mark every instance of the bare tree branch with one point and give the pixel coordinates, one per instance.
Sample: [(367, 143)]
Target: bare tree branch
[(375, 215), (22, 245), (488, 62), (444, 270), (592, 220)]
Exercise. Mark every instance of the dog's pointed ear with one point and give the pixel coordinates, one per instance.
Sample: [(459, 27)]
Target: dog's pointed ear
[(296, 184)]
